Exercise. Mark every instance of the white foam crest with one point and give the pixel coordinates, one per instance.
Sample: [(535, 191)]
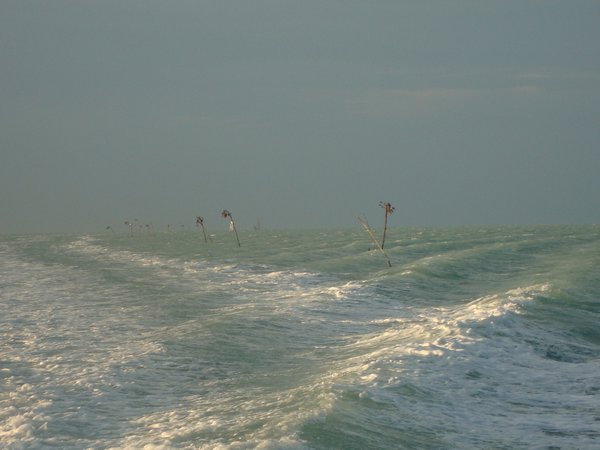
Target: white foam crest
[(476, 362), (267, 419), (436, 332), (530, 292), (89, 246), (246, 277), (57, 337), (245, 281)]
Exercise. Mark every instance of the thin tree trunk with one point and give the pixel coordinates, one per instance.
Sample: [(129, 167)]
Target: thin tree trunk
[(384, 229), (389, 209), (227, 214), (365, 224), (235, 231), (200, 221)]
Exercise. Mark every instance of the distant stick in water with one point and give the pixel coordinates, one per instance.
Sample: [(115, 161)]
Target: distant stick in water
[(389, 209), (200, 222), (130, 225), (365, 224), (227, 215)]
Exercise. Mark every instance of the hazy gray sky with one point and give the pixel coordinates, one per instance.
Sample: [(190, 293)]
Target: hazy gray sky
[(303, 113)]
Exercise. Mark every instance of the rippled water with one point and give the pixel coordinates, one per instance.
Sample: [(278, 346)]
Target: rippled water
[(474, 338)]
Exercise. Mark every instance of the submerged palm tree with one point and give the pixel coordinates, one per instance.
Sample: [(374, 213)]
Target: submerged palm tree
[(389, 209), (200, 222), (227, 215)]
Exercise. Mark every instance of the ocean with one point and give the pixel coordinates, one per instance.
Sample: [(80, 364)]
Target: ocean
[(475, 338)]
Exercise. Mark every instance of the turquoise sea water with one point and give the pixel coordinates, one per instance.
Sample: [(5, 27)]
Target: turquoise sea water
[(474, 338)]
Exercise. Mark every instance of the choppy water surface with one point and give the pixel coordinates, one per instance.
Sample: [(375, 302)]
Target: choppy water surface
[(475, 338)]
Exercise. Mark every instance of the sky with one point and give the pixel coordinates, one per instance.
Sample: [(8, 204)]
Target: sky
[(302, 114)]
